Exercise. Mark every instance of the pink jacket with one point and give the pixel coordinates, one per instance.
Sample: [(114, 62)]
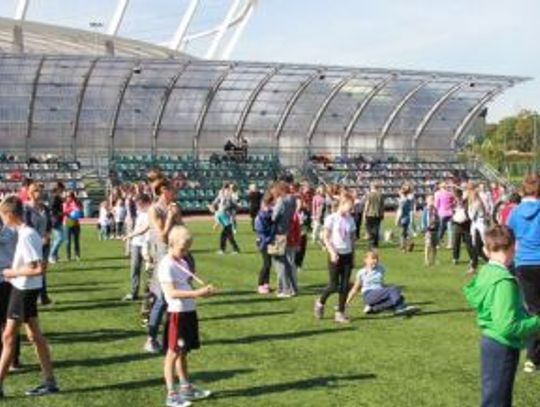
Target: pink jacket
[(444, 202)]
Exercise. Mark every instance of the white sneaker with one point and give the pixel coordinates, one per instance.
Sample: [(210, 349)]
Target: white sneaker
[(152, 347), (175, 400), (368, 309), (220, 252), (529, 367)]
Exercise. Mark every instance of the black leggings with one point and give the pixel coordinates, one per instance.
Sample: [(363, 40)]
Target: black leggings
[(529, 280), (264, 274), (339, 276), (462, 232), (478, 250), (228, 235)]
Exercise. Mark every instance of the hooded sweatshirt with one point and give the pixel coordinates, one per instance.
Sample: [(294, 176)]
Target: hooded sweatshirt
[(525, 223), (501, 316)]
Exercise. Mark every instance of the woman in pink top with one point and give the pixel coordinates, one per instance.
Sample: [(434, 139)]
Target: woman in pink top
[(444, 203)]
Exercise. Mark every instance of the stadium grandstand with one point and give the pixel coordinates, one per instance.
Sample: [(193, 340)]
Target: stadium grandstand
[(79, 105)]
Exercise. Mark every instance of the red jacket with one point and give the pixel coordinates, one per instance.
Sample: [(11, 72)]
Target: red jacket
[(295, 231)]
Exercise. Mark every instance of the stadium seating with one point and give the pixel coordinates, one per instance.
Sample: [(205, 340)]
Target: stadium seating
[(391, 174), (14, 172), (199, 181)]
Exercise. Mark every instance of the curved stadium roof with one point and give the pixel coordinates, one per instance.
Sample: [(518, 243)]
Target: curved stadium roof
[(143, 101)]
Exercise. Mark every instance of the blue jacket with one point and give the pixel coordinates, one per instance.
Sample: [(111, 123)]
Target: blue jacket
[(264, 227), (525, 222)]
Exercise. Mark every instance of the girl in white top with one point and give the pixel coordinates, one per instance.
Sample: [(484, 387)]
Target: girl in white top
[(104, 221), (120, 214), (175, 276), (338, 238)]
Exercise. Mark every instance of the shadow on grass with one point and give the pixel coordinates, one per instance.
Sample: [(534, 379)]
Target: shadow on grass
[(94, 268), (102, 335), (276, 337), (390, 314), (54, 290), (240, 301), (92, 306), (206, 377), (84, 284), (105, 361), (308, 384), (246, 316), (104, 258)]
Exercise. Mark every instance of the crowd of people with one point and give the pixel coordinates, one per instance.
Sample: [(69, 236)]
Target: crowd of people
[(488, 221)]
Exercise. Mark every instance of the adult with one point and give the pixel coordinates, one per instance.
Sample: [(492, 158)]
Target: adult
[(462, 227), (479, 217), (37, 215), (57, 221), (72, 213), (282, 216), (373, 215), (254, 198), (525, 223), (444, 202), (163, 215)]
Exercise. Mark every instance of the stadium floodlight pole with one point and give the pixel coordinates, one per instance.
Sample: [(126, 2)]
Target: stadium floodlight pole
[(231, 45), (118, 16), (22, 9), (95, 25), (211, 53), (181, 31)]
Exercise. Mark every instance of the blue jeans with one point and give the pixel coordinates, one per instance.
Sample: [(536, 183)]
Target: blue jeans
[(499, 365), (58, 238), (384, 298), (156, 315)]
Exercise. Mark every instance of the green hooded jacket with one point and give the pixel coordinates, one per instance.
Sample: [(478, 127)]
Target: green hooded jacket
[(496, 297)]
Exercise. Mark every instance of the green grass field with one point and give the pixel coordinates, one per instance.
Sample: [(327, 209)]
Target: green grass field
[(261, 351)]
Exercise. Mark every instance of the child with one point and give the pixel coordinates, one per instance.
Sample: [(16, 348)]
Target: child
[(377, 296), (265, 235), (8, 242), (175, 276), (138, 240), (304, 216), (338, 238), (227, 233), (430, 223), (506, 327), (104, 221), (25, 276), (120, 214)]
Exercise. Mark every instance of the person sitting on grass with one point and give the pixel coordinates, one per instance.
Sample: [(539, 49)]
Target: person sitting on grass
[(378, 297), (175, 276), (506, 326), (25, 276)]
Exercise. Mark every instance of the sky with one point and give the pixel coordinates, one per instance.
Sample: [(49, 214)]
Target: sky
[(478, 36)]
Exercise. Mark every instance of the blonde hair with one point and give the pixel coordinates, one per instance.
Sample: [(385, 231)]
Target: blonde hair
[(180, 235), (372, 254)]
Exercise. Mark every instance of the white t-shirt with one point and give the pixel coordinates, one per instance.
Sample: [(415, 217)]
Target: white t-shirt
[(171, 271), (120, 213), (341, 230), (103, 218), (28, 250), (140, 223)]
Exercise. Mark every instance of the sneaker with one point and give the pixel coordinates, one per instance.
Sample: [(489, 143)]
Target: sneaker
[(15, 368), (318, 310), (283, 295), (406, 311), (263, 289), (529, 367), (454, 262), (77, 258), (341, 318), (235, 253), (299, 269), (129, 297), (43, 390), (368, 309), (46, 301), (220, 252), (192, 393), (175, 400), (152, 346), (52, 260)]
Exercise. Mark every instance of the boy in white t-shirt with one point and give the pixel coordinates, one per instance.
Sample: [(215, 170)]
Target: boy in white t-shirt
[(138, 240), (175, 275), (338, 237), (26, 279)]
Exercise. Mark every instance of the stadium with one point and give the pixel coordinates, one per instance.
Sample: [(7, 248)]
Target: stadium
[(105, 102), (140, 144)]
